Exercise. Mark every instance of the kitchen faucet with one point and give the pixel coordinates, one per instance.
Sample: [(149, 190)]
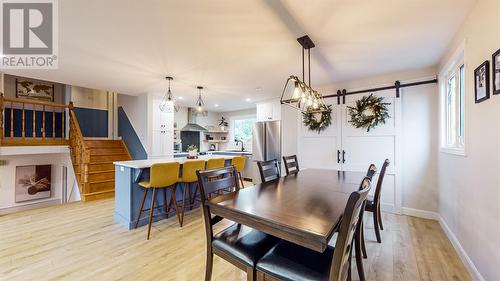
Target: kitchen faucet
[(239, 141)]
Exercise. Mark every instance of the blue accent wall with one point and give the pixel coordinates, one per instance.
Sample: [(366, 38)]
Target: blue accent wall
[(93, 122), (129, 136), (28, 123)]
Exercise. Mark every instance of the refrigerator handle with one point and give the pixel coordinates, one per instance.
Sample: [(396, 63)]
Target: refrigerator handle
[(265, 143)]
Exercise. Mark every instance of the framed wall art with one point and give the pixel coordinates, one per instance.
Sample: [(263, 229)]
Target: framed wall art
[(33, 182), (482, 82), (495, 60), (31, 90)]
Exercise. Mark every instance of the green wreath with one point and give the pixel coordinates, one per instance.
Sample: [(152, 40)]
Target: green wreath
[(369, 112), (313, 123)]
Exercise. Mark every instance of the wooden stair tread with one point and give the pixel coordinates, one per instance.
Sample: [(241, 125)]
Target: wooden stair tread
[(100, 172)]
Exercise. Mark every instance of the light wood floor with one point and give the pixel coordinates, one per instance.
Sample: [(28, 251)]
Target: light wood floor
[(81, 241)]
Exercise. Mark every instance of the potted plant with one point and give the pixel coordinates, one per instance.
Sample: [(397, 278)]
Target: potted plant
[(192, 150)]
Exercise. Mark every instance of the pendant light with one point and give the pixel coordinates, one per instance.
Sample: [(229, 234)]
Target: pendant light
[(200, 104), (169, 100), (296, 92)]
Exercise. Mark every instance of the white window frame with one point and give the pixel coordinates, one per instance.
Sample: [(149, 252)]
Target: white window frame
[(453, 68)]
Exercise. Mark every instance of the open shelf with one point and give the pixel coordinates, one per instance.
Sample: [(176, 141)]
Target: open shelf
[(215, 141), (217, 132)]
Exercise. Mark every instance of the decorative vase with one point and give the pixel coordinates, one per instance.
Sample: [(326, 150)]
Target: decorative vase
[(193, 153)]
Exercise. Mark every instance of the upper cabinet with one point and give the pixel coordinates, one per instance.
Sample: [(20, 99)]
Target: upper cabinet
[(269, 111), (162, 143)]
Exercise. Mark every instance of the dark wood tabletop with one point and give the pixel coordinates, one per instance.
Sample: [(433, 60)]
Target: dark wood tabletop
[(303, 208)]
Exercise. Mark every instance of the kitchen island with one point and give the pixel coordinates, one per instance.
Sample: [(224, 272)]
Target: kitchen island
[(128, 194)]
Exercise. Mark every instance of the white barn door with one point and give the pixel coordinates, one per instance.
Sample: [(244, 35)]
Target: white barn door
[(319, 151), (361, 148)]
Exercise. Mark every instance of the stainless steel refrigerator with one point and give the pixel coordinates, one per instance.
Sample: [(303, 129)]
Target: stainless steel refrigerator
[(266, 144)]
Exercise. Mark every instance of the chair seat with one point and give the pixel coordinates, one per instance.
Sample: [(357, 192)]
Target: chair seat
[(145, 184), (287, 261), (244, 243)]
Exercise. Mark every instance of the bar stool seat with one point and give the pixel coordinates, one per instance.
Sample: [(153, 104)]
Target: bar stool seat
[(188, 177), (163, 176), (239, 163)]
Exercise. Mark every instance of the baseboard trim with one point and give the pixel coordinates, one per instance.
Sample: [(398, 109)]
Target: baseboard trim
[(471, 268), (421, 213), (35, 205)]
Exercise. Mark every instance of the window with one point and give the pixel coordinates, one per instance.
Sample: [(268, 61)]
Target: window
[(454, 110), (243, 129)]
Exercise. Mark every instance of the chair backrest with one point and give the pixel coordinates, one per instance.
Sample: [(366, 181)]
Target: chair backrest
[(372, 170), (164, 174), (215, 163), (291, 164), (380, 181), (211, 181), (189, 169), (239, 162), (269, 170), (339, 267)]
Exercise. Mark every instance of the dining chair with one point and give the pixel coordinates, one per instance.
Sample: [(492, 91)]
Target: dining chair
[(238, 244), (372, 170), (288, 261), (162, 176), (239, 163), (291, 164), (187, 178), (269, 170), (373, 203)]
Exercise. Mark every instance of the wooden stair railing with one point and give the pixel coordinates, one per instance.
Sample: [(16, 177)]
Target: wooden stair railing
[(78, 150), (93, 161), (26, 113)]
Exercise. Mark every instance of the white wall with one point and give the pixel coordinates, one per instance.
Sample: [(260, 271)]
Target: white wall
[(419, 133), (89, 98), (57, 160), (136, 108), (470, 186)]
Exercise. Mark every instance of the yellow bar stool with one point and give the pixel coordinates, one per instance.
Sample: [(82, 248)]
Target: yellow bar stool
[(215, 163), (162, 176), (239, 163), (188, 177)]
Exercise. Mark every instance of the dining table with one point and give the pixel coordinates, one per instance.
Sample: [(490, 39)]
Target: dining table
[(304, 209)]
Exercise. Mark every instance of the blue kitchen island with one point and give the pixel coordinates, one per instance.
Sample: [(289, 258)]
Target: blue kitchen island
[(128, 194)]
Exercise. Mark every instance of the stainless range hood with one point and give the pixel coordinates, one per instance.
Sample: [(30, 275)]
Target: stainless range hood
[(191, 125)]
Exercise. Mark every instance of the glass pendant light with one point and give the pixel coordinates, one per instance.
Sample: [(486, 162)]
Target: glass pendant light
[(200, 104), (169, 100)]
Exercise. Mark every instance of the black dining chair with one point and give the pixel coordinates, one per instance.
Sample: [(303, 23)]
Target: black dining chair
[(269, 170), (373, 203), (372, 170), (288, 261), (238, 244), (291, 164)]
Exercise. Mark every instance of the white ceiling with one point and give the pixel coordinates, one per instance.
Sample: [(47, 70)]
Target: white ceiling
[(243, 49)]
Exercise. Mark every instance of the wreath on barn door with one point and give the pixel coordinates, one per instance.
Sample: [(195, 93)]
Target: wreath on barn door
[(369, 112), (318, 119)]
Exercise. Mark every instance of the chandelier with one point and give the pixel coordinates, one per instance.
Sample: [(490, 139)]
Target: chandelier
[(200, 104), (299, 94), (168, 101)]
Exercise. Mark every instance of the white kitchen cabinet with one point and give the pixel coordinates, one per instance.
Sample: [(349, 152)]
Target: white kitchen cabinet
[(269, 111), (162, 144)]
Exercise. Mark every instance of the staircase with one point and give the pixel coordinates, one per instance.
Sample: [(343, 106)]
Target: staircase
[(93, 162)]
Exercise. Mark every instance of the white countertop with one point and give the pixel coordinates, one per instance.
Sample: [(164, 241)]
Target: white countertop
[(141, 164)]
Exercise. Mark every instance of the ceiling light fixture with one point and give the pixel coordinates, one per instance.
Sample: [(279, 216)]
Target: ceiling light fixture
[(169, 100), (296, 92), (200, 104)]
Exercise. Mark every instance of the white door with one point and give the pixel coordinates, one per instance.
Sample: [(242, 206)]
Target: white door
[(321, 150), (361, 148)]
